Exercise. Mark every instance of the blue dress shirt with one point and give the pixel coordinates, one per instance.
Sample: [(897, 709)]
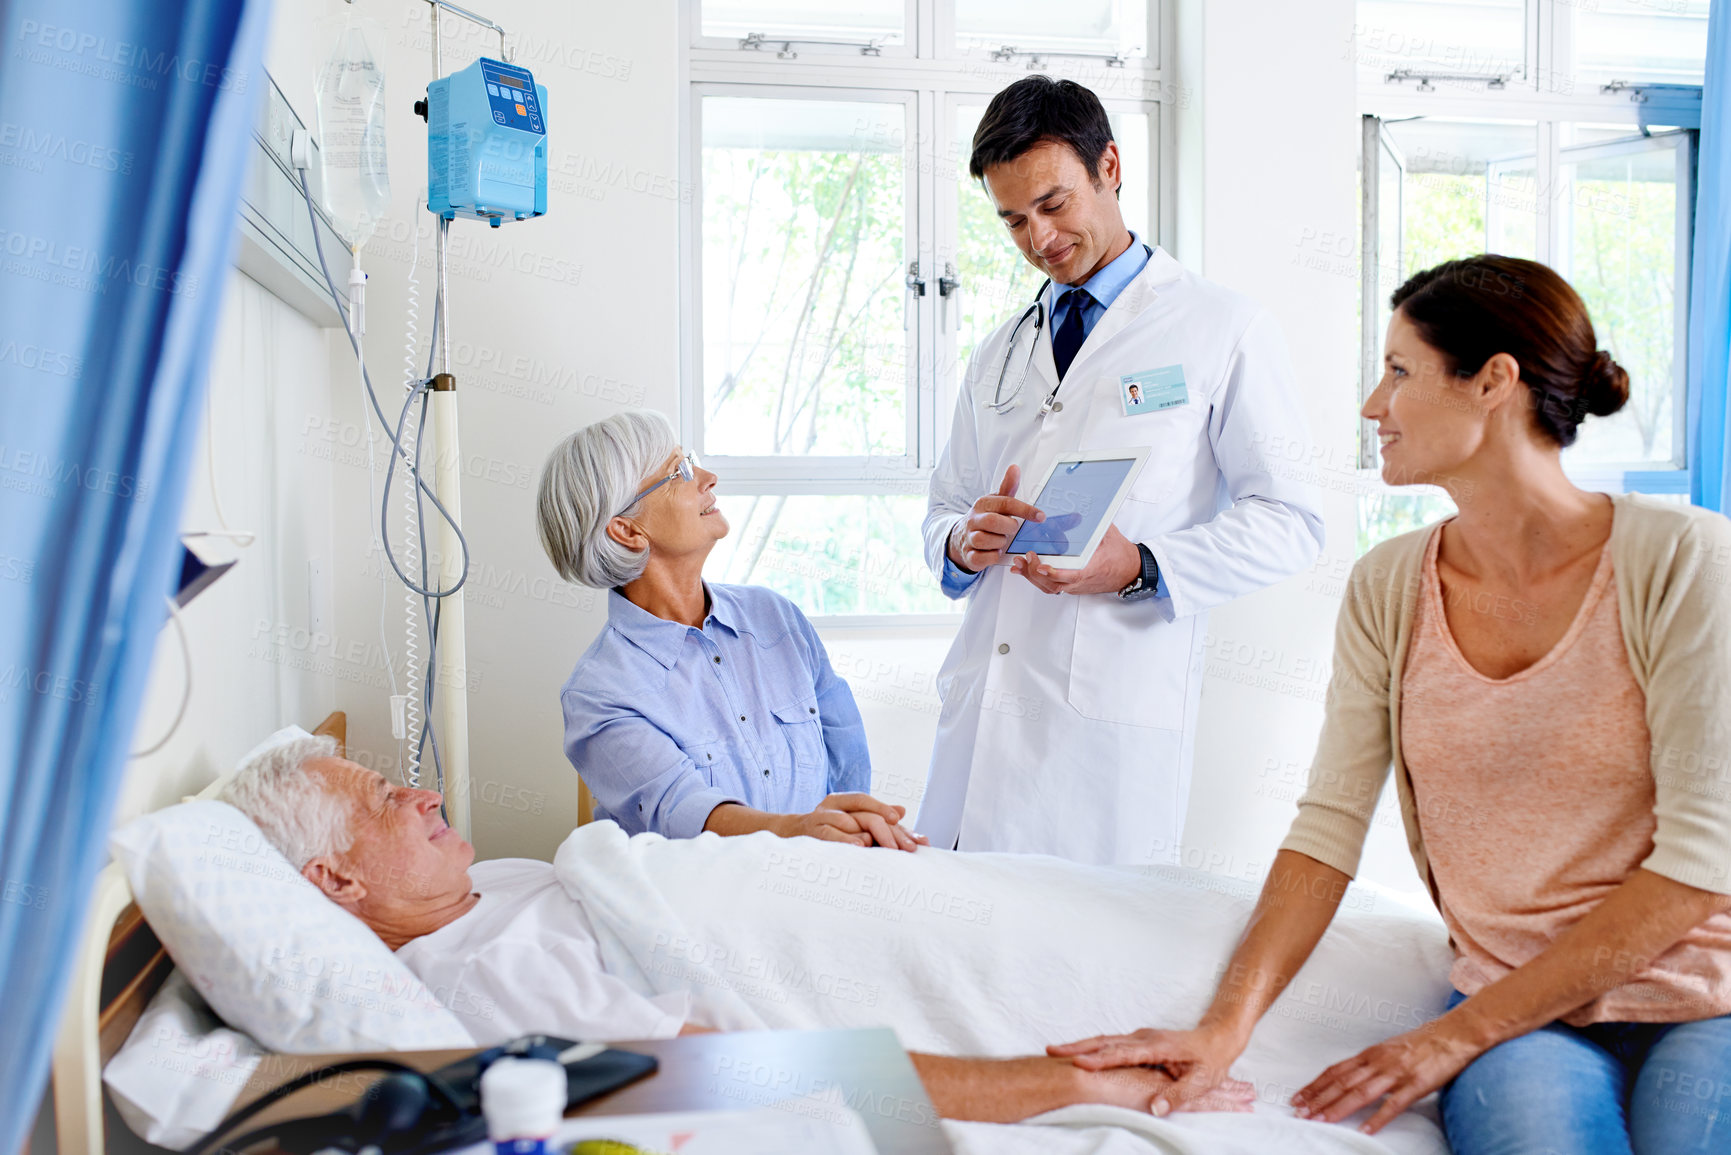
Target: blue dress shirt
[(1103, 288), (666, 722)]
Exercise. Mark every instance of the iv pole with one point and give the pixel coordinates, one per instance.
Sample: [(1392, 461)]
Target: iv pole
[(451, 674)]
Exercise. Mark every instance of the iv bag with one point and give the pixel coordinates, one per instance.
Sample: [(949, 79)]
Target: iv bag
[(351, 113)]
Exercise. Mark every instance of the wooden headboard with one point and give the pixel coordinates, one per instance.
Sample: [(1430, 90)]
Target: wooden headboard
[(120, 967)]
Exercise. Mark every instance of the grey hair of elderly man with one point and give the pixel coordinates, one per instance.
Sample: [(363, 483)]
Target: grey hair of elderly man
[(290, 807), (382, 852)]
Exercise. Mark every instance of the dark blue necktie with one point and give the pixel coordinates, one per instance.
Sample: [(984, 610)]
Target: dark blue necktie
[(1069, 336)]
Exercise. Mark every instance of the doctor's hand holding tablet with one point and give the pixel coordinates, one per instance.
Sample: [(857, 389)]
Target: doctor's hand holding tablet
[(1065, 542)]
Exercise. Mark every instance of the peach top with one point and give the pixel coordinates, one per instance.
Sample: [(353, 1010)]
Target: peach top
[(1535, 797)]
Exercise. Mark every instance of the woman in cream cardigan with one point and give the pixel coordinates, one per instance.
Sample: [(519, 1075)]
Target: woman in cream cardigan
[(1548, 674)]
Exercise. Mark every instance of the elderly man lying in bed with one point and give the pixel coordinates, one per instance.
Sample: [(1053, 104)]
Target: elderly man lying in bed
[(636, 938)]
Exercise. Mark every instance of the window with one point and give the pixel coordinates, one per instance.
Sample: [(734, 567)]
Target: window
[(846, 264), (877, 22), (1662, 41), (1463, 38), (806, 321), (1111, 28), (1463, 153), (1623, 227)]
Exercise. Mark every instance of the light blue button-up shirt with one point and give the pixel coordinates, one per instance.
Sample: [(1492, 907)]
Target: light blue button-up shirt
[(1103, 288), (666, 722)]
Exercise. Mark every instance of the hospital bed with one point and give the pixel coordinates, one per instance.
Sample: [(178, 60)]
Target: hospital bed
[(120, 966), (674, 891)]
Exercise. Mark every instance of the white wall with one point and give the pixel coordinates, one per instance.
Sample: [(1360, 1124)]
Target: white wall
[(268, 368), (1269, 187), (562, 320)]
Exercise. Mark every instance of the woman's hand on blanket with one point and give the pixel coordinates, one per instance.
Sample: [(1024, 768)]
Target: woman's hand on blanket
[(1400, 1071), (856, 818), (1195, 1061)]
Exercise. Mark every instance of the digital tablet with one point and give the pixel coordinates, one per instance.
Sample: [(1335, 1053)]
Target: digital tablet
[(1080, 496)]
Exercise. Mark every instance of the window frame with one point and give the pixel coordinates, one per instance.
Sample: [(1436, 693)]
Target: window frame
[(778, 474), (1682, 143), (908, 49), (1536, 97), (933, 76)]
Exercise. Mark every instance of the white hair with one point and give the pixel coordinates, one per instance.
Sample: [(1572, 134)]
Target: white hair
[(591, 477), (291, 804)]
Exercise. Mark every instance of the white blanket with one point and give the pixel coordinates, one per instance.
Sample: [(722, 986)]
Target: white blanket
[(997, 955), (1116, 1131)]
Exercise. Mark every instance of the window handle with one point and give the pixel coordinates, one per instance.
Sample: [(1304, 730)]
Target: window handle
[(948, 284), (916, 285)]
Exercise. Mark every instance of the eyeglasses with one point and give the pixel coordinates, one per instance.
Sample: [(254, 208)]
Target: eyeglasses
[(686, 470)]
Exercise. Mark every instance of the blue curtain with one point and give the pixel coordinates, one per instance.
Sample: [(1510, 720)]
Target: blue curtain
[(1710, 274), (124, 130)]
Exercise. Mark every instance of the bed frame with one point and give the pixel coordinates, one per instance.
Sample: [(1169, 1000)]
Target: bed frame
[(120, 966)]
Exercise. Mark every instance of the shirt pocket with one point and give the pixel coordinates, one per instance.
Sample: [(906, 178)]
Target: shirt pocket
[(710, 757), (802, 729)]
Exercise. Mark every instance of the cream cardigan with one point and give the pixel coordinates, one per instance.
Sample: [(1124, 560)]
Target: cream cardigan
[(1673, 579)]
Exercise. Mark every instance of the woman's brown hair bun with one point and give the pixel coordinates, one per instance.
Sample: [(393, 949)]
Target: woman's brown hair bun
[(1605, 387), (1474, 308)]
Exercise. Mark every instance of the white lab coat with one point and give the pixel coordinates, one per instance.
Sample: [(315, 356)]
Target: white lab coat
[(1067, 724)]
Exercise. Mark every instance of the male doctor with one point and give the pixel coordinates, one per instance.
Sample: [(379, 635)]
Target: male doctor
[(1070, 696)]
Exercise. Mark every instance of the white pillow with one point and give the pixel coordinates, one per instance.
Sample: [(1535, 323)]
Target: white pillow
[(180, 1070), (270, 953)]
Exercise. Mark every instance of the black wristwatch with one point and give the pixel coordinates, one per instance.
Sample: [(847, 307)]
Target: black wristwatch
[(1147, 583)]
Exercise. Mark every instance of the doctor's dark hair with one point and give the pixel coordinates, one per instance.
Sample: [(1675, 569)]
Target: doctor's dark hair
[(1474, 308), (1035, 109)]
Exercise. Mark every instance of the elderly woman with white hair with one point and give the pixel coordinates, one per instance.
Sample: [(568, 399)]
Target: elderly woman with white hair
[(700, 707)]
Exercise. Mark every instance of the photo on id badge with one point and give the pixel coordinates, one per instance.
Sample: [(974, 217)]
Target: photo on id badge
[(1152, 390)]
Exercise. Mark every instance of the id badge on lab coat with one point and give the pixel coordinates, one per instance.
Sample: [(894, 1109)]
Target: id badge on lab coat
[(1152, 390)]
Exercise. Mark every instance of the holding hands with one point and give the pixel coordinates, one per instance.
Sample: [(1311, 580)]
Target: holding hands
[(1133, 1088), (1399, 1071), (1196, 1061), (856, 818)]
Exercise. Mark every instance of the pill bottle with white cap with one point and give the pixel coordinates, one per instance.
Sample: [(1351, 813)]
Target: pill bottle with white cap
[(523, 1101)]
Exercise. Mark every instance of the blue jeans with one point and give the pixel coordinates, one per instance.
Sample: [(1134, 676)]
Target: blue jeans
[(1604, 1089)]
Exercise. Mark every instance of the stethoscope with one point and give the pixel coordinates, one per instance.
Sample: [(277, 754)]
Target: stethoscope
[(1001, 404)]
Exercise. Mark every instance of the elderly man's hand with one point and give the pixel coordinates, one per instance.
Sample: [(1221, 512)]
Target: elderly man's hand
[(1138, 1087), (856, 818), (1198, 1059)]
